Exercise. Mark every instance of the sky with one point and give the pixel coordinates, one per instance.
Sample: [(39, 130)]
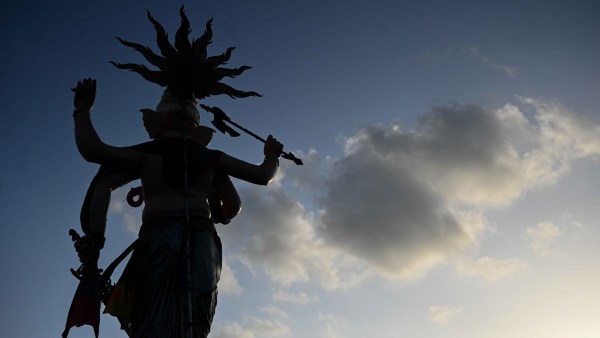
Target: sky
[(448, 187)]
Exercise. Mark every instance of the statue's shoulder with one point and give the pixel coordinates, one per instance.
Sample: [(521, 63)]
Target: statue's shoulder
[(174, 146)]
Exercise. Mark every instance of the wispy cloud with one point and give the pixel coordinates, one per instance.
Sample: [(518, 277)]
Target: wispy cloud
[(333, 326), (443, 314), (298, 298), (542, 236), (451, 56), (229, 284), (436, 57), (275, 312), (510, 71), (252, 327), (489, 268)]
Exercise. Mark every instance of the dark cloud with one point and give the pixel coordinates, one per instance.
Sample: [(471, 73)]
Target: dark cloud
[(406, 200), (459, 135), (377, 209)]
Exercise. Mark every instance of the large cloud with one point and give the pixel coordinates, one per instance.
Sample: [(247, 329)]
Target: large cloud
[(398, 198), (376, 210), (400, 202)]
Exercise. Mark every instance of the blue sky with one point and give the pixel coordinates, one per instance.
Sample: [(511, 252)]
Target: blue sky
[(450, 151)]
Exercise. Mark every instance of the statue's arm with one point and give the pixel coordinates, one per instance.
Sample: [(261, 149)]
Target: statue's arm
[(88, 142), (100, 199), (95, 210), (258, 174)]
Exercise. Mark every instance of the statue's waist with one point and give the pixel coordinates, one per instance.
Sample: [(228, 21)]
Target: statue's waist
[(193, 222)]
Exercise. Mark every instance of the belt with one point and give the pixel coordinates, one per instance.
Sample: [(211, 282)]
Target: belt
[(195, 224)]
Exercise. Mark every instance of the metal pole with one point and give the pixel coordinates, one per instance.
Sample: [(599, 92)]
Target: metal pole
[(190, 320)]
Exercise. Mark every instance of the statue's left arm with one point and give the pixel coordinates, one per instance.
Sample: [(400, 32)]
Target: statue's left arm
[(260, 174)]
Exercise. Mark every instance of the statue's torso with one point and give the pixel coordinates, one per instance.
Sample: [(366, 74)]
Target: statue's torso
[(163, 177)]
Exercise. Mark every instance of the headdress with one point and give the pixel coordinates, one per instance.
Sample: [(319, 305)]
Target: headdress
[(185, 69)]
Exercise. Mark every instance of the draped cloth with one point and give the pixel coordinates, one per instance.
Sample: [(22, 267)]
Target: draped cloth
[(150, 298)]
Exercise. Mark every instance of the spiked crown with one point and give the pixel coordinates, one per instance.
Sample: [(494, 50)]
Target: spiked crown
[(184, 68)]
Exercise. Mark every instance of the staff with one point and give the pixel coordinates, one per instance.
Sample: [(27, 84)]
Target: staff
[(219, 122)]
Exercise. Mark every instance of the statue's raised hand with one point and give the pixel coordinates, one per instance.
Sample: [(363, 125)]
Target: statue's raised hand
[(85, 94)]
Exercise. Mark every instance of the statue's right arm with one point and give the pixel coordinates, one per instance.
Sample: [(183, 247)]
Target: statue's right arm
[(88, 142), (92, 149), (88, 247)]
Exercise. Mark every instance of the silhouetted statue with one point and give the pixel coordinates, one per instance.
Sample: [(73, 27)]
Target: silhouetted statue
[(169, 286)]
